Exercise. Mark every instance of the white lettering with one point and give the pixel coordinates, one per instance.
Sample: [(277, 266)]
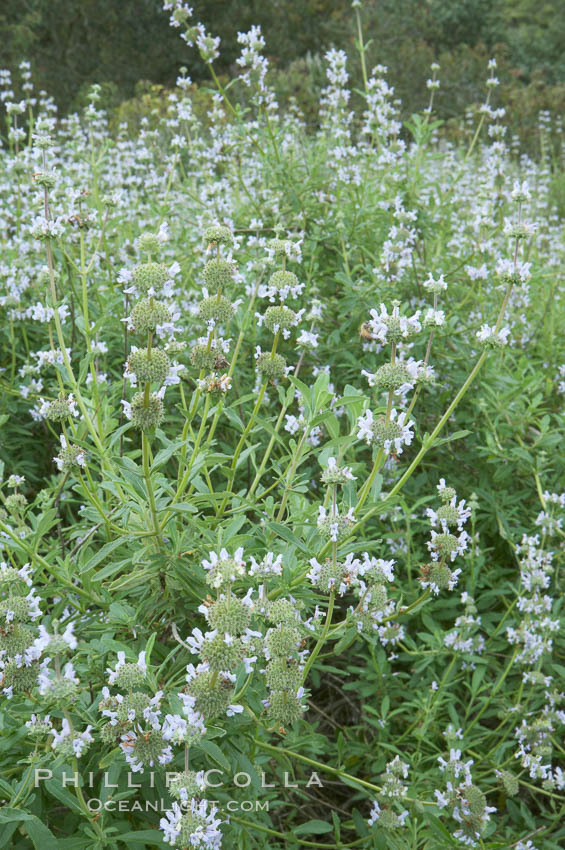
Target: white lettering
[(41, 773)]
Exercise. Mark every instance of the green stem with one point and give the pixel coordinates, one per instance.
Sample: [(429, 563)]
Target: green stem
[(292, 839), (321, 639), (292, 472), (377, 789), (149, 485), (493, 691), (182, 485), (240, 445)]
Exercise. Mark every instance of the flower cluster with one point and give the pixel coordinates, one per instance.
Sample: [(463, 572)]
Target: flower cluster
[(20, 650), (533, 635), (465, 801), (150, 318), (389, 433), (393, 790), (374, 610), (135, 718), (464, 637), (215, 310), (448, 540), (279, 319), (533, 639)]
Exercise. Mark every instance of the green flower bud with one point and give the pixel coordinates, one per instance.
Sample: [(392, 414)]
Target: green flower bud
[(15, 503), (446, 494), (283, 675), (334, 474), (20, 679), (218, 273), (149, 366), (388, 818), (392, 376), (445, 544), (201, 357), (128, 676), (44, 278), (385, 432), (109, 734), (329, 576), (229, 614), (334, 527), (271, 366), (135, 702), (148, 417), (282, 641), (180, 15), (148, 746), (449, 514), (390, 633), (213, 693), (215, 384), (510, 782), (476, 800), (282, 611), (46, 179), (218, 309), (61, 691), (222, 655), (148, 276), (69, 457), (60, 409), (56, 646), (379, 597), (279, 247), (283, 280), (185, 786), (279, 318), (14, 638), (192, 823), (39, 729), (149, 243), (147, 314), (440, 575), (284, 708), (9, 578), (217, 234)]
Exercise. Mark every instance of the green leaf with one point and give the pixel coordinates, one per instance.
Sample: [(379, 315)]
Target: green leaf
[(315, 827), (440, 441), (109, 758), (215, 753), (55, 787), (478, 676), (304, 392), (41, 836), (345, 642), (101, 554), (286, 534), (143, 836), (183, 508), (163, 455), (111, 570), (149, 647), (337, 826), (360, 823)]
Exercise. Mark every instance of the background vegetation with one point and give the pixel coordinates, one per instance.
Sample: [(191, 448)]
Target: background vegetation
[(128, 46)]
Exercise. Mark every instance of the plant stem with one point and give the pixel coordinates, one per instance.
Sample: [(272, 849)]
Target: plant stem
[(148, 483), (321, 639)]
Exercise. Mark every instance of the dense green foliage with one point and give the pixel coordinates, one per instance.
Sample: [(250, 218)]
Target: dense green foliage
[(127, 43), (281, 411)]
